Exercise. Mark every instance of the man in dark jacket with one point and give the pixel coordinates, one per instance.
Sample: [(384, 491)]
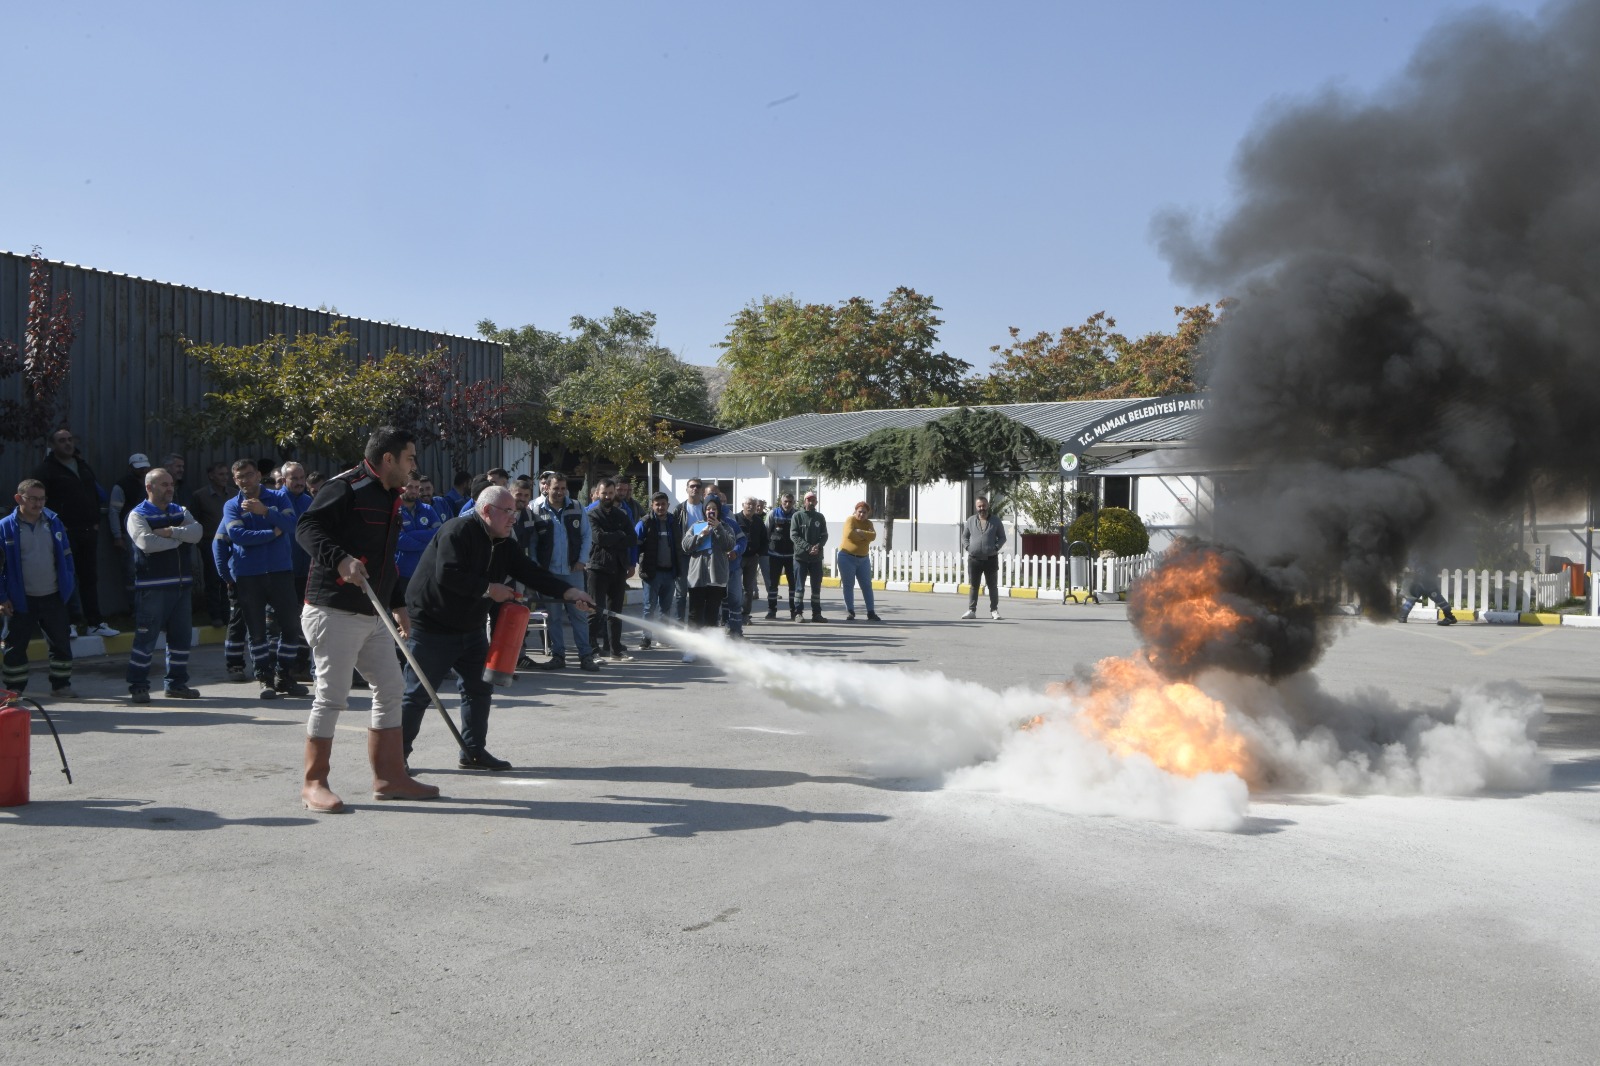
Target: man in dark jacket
[(611, 564), (73, 494), (462, 572), (351, 532), (754, 560), (661, 562), (810, 532), (780, 555)]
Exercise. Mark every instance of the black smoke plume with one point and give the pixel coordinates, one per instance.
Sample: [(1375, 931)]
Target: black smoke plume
[(1270, 629), (1417, 277)]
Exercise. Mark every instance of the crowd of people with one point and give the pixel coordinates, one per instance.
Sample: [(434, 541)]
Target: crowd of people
[(306, 574)]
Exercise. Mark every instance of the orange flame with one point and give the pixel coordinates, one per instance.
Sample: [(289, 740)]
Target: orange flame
[(1131, 708), (1183, 597)]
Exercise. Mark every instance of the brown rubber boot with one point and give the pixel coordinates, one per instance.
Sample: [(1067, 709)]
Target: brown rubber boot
[(315, 793), (390, 781)]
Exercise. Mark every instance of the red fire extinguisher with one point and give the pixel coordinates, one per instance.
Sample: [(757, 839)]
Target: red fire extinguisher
[(505, 646), (16, 730)]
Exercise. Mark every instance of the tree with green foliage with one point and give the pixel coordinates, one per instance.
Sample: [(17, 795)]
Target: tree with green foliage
[(1095, 362), (558, 382), (949, 448), (310, 392), (618, 426), (786, 358)]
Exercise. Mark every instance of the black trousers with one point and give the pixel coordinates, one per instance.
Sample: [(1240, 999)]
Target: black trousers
[(46, 614), (257, 592), (705, 603), (809, 568), (85, 544), (780, 565), (216, 589), (989, 570), (609, 589)]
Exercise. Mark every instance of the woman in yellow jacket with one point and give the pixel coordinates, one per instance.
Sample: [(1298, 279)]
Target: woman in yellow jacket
[(852, 562)]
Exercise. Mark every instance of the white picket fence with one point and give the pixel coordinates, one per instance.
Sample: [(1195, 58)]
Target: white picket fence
[(1467, 590), (1043, 573), (1482, 590)]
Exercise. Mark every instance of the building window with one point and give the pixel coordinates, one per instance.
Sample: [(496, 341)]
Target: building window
[(890, 502), (1118, 492), (798, 487)]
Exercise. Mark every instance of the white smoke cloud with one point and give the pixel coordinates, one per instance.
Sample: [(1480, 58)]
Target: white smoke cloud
[(969, 736), (1483, 739)]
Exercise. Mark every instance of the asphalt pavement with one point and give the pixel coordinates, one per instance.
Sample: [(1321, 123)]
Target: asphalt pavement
[(683, 868)]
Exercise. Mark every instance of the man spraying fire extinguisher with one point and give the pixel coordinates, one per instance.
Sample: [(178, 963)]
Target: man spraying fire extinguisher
[(462, 571)]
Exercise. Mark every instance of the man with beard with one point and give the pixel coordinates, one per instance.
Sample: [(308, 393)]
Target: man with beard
[(351, 533), (463, 571), (610, 565), (810, 533)]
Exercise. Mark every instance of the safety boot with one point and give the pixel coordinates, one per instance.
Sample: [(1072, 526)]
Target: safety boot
[(315, 793), (390, 780)]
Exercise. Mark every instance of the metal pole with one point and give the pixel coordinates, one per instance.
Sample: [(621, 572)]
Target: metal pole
[(388, 623)]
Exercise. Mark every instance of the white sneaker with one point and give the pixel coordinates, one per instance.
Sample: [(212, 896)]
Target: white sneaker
[(102, 630), (688, 656), (971, 613), (995, 615)]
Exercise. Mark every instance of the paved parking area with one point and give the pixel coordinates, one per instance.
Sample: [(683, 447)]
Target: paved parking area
[(684, 868)]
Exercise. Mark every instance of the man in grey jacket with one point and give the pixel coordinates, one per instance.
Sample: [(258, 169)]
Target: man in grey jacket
[(982, 537)]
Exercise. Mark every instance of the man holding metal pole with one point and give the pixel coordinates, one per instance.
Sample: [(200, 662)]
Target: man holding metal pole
[(463, 571), (350, 532)]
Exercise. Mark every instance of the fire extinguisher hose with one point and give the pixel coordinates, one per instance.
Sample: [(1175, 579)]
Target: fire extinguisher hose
[(388, 623), (46, 716)]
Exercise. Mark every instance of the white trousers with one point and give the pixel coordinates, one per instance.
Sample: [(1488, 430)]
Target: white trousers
[(342, 641)]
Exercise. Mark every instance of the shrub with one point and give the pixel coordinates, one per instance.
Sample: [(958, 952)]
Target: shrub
[(1121, 531)]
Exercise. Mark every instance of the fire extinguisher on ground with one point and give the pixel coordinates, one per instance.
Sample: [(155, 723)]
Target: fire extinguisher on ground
[(16, 731)]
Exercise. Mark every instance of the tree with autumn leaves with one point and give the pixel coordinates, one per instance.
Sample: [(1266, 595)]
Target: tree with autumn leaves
[(602, 392), (43, 358), (311, 392), (1093, 361), (787, 358)]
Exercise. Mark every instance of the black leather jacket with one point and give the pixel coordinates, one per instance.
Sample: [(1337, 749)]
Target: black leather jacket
[(352, 515)]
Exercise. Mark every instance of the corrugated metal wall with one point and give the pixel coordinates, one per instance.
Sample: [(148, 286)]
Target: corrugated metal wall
[(127, 363)]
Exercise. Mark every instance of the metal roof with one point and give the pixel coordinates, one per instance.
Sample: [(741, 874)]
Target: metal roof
[(253, 299), (1057, 421)]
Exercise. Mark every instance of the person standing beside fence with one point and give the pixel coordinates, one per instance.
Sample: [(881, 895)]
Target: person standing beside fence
[(853, 563), (982, 537), (810, 533)]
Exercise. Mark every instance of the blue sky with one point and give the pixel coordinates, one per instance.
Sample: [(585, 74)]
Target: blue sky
[(438, 164)]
